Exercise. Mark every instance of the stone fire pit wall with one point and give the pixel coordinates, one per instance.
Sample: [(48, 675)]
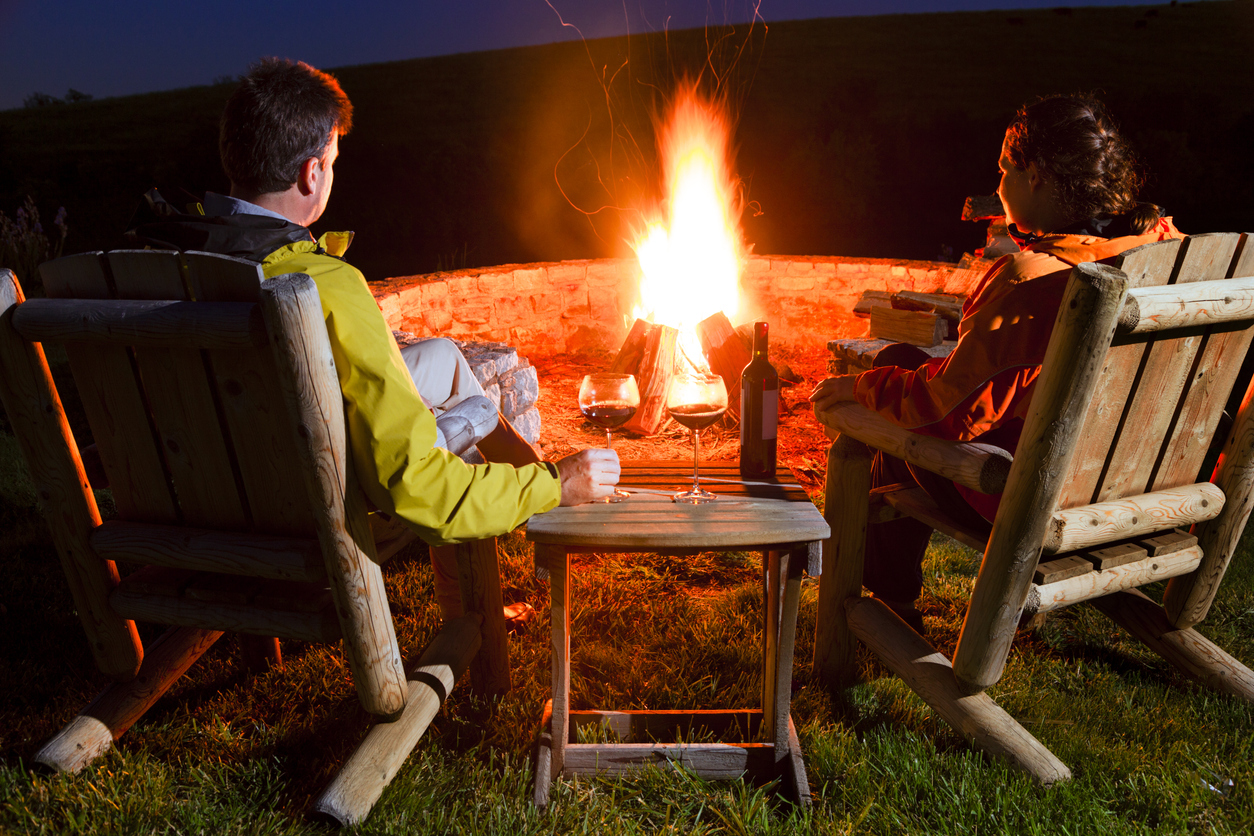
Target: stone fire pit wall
[(556, 307)]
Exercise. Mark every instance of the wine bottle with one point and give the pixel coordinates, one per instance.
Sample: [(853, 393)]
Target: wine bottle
[(759, 410)]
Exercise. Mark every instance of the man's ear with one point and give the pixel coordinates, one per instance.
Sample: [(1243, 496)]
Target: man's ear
[(307, 180), (1036, 179)]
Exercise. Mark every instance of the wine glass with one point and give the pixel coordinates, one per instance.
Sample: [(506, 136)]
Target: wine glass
[(696, 401), (609, 400)]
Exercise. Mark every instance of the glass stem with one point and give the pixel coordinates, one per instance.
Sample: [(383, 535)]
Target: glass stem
[(609, 441), (696, 447)]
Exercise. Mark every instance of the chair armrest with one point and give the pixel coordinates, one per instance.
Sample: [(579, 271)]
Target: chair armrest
[(980, 467)]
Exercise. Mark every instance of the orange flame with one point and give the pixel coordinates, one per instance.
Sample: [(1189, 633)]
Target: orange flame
[(691, 258)]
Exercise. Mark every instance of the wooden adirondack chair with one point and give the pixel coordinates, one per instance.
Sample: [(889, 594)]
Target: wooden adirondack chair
[(220, 427), (1142, 360)]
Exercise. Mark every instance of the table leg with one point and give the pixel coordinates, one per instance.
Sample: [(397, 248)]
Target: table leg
[(479, 577), (770, 639), (791, 565), (558, 562)]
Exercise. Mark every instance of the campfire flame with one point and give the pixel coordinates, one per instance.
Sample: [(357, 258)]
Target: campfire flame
[(691, 257)]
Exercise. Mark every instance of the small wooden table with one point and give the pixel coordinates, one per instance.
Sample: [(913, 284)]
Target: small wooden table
[(774, 517)]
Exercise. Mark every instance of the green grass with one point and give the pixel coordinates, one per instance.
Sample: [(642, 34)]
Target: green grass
[(225, 752)]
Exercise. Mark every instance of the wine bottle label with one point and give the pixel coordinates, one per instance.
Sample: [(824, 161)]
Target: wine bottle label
[(770, 412)]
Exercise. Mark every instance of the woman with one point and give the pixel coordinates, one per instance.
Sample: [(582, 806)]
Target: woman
[(1069, 187)]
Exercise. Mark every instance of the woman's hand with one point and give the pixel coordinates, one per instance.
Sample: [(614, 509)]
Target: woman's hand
[(832, 391)]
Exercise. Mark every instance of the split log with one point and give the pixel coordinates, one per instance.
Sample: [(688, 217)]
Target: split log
[(649, 354), (944, 304), (726, 354), (914, 327), (872, 299)]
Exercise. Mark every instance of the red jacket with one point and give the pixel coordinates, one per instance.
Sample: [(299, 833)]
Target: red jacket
[(986, 383)]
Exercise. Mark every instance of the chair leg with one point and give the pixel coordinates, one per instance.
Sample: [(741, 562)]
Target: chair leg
[(353, 792), (261, 653), (1187, 650), (845, 508), (930, 675), (479, 576), (93, 731)]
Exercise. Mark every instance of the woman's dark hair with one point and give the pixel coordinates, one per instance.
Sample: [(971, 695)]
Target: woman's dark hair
[(1075, 142), (282, 113)]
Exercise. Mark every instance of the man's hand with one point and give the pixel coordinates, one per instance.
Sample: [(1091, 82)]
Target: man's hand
[(587, 475), (832, 391)]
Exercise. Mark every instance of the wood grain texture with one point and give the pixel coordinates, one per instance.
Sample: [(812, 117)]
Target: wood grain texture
[(929, 674), (1149, 265), (244, 617), (352, 794), (922, 328), (114, 400), (1187, 650), (1133, 516), (1196, 305), (558, 562), (181, 401), (542, 778), (120, 705), (981, 467), (1188, 599), (34, 410), (1210, 380), (311, 391), (915, 502), (247, 387), (848, 483), (1072, 367), (479, 578), (726, 354), (149, 324), (1064, 592), (715, 761), (283, 558), (746, 514)]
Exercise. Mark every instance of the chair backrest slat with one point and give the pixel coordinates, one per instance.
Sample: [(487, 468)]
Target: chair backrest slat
[(1208, 388), (1148, 383), (113, 400), (181, 401), (252, 405)]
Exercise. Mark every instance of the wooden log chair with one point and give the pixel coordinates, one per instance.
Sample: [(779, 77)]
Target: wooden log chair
[(214, 403), (1143, 358)]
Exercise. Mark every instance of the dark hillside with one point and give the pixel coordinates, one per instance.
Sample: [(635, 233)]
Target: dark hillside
[(857, 136)]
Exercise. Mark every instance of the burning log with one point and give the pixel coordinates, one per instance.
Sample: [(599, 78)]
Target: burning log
[(649, 354), (726, 354)]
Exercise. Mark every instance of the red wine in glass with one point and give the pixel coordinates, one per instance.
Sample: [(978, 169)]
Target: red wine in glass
[(609, 401), (696, 401)]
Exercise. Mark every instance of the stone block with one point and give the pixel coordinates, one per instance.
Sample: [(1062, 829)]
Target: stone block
[(433, 292), (493, 393), (496, 284), (757, 265), (513, 310), (568, 272), (605, 305), (461, 287), (844, 268), (825, 268), (547, 302), (434, 320), (528, 425), (519, 391), (471, 315), (531, 278), (794, 283), (612, 272), (799, 268)]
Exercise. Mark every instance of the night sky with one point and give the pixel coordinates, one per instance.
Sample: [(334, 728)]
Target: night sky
[(121, 47)]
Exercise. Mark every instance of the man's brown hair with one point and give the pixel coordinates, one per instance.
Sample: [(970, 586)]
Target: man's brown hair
[(282, 113)]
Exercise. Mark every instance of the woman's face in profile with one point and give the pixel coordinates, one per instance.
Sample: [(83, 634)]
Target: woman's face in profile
[(1015, 192)]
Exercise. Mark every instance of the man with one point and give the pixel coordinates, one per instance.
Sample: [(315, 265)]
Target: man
[(279, 142)]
